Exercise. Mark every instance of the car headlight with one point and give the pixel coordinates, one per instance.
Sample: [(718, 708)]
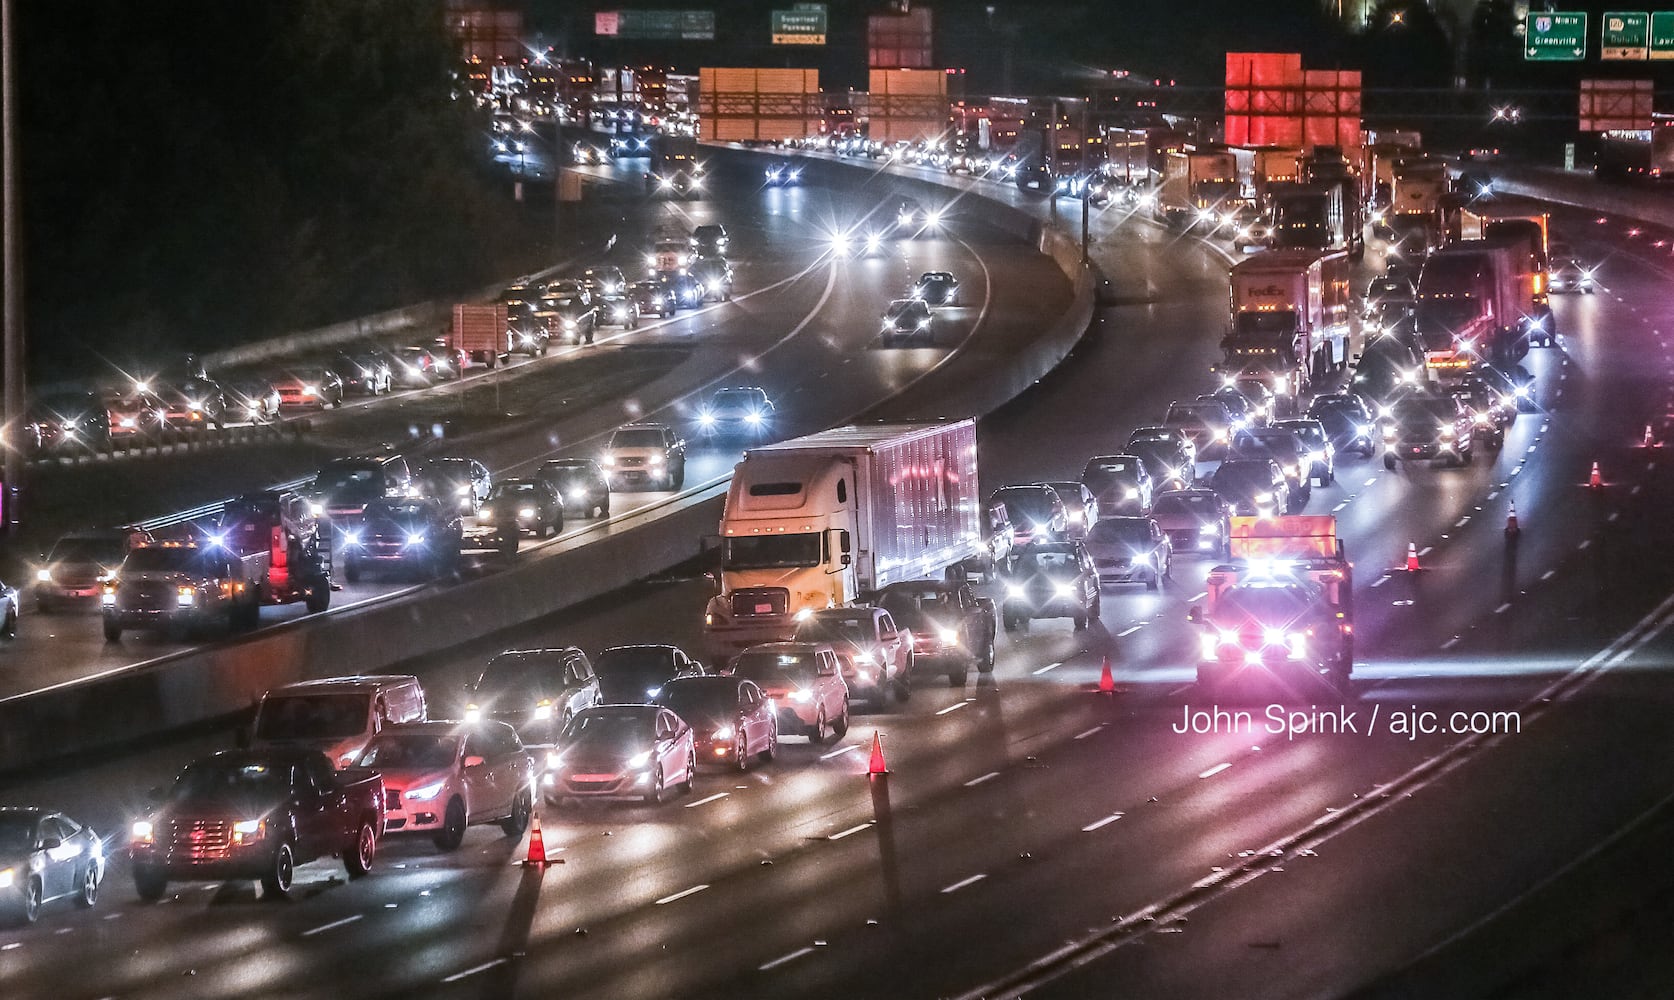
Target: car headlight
[(864, 658), (141, 832), (651, 259), (639, 760), (752, 418), (1131, 493), (801, 696), (543, 710), (185, 596), (1064, 590), (607, 460), (248, 829), (553, 760), (424, 793), (1208, 529), (1211, 645), (1389, 433), (1263, 497), (949, 637), (1447, 432), (44, 575), (656, 460), (415, 538), (1522, 392), (316, 510), (723, 733), (526, 512), (1013, 590), (473, 713), (706, 419), (620, 312)]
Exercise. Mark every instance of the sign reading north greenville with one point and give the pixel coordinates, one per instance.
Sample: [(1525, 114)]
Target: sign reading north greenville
[(657, 25), (1662, 34), (1626, 35), (1556, 37), (806, 25)]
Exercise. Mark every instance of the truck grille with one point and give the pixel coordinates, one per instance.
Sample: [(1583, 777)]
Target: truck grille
[(753, 601), (631, 463), (200, 839)]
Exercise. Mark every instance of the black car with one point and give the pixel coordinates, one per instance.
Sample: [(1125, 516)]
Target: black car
[(1130, 550), (634, 675), (1252, 487), (715, 275), (581, 485), (732, 721), (526, 329), (604, 280), (517, 507), (420, 534), (653, 297), (1348, 422), (686, 291), (782, 174), (570, 310), (253, 400), (953, 629), (711, 240), (1169, 465), (366, 373), (463, 482), (1487, 418), (937, 288), (1051, 580), (619, 310), (1285, 449), (1424, 426)]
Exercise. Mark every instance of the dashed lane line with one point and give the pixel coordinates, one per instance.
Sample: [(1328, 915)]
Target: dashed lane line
[(956, 706), (1217, 769), (990, 776), (718, 796), (331, 926), (473, 970), (1098, 824), (682, 894), (962, 883), (782, 959)]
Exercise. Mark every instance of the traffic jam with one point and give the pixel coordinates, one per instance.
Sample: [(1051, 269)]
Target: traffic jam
[(855, 564)]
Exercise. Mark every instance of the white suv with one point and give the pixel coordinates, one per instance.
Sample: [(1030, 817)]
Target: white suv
[(803, 681)]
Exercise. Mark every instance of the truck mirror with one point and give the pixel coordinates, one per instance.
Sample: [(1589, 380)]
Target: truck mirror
[(1194, 613), (714, 580), (843, 544), (845, 559)]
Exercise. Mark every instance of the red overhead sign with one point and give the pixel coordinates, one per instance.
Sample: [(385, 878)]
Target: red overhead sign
[(1611, 105), (1272, 101)]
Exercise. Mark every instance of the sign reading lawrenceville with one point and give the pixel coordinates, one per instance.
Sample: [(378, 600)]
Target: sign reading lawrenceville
[(1559, 36), (1662, 34)]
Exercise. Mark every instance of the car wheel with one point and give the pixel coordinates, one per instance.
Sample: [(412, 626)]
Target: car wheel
[(281, 870), (741, 748), (841, 729), (351, 571), (361, 851), (1081, 622), (523, 807), (149, 884), (1011, 623), (1153, 582), (986, 664), (772, 749), (903, 688), (604, 508), (1389, 462), (691, 773), (956, 678), (29, 910), (508, 546), (816, 732), (9, 629), (89, 892), (452, 833), (113, 631), (654, 794)]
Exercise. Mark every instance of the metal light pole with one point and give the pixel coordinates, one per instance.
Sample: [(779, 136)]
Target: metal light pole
[(1086, 179), (12, 354)]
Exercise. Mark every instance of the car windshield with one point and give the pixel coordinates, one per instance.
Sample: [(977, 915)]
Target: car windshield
[(836, 628), (226, 780), (105, 551), (350, 480), (1310, 433), (774, 551), (776, 668), (511, 490), (514, 678), (1243, 476), (17, 834), (1192, 506), (398, 513), (1119, 530), (735, 399), (1100, 475), (644, 437), (1048, 563), (707, 700), (611, 731), (411, 752), (1422, 410), (313, 716), (1209, 416), (565, 474), (913, 606), (165, 559), (635, 671), (1033, 504)]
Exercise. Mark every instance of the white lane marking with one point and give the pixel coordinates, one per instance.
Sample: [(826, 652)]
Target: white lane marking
[(782, 959), (1635, 490), (1584, 543), (682, 894), (840, 751), (1531, 449), (986, 777), (1502, 608), (851, 831), (334, 924), (1372, 481), (1217, 769), (1090, 732), (1049, 666), (1099, 823), (9, 947), (1339, 507), (1128, 631), (1201, 596), (1380, 581), (1462, 521), (956, 706), (1549, 574), (962, 883), (1493, 493), (1449, 644), (1426, 549), (1614, 515), (484, 967), (718, 796)]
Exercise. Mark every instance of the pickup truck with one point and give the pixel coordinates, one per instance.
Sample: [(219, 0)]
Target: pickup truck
[(257, 814), (952, 628), (176, 587)]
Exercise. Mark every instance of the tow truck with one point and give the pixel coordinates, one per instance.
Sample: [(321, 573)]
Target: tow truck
[(280, 530), (1284, 603)]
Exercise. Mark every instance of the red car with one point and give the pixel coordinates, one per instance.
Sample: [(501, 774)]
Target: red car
[(732, 721)]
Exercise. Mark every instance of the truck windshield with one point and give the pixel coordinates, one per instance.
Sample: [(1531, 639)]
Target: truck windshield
[(350, 481), (1276, 606), (647, 437), (1278, 322), (165, 559), (312, 716), (1446, 315), (774, 551), (104, 551), (224, 781)]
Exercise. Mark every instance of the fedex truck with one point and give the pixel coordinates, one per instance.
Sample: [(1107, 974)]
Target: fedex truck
[(1291, 316), (820, 520)]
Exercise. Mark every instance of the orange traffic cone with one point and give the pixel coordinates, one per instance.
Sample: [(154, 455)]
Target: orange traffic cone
[(1511, 528), (877, 765), (1412, 557), (537, 844), (1107, 680), (1595, 480)]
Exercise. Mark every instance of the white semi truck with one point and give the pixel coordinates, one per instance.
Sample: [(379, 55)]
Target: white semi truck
[(822, 520)]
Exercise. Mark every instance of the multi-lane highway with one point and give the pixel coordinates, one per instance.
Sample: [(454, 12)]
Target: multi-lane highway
[(1034, 835), (798, 317)]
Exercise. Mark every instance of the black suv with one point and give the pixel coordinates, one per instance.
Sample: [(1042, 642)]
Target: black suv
[(1428, 427), (1051, 580), (422, 534), (580, 484)]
